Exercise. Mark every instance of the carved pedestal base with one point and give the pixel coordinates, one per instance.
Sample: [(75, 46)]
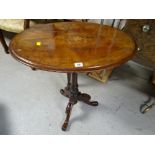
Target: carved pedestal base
[(85, 98), (72, 92)]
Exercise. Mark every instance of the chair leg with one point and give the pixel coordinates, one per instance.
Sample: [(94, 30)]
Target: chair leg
[(3, 42), (33, 68), (153, 78)]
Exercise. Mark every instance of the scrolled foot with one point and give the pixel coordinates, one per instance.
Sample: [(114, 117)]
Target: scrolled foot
[(86, 99), (64, 126), (64, 92), (92, 103)]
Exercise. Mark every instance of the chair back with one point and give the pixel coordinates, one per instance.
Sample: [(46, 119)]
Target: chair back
[(26, 23)]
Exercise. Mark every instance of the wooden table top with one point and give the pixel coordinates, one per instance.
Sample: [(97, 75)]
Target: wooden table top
[(72, 47)]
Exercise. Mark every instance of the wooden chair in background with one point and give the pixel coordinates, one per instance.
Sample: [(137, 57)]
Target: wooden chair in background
[(13, 25), (19, 25)]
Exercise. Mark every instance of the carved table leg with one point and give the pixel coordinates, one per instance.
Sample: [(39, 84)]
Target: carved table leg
[(68, 80), (3, 42), (72, 92), (68, 113)]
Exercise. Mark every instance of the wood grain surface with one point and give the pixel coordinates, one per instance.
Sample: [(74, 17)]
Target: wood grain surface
[(72, 47)]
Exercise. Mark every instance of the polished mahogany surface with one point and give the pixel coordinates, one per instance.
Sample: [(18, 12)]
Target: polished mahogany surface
[(72, 47)]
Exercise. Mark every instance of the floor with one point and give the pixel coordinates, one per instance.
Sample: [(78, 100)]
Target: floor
[(30, 102)]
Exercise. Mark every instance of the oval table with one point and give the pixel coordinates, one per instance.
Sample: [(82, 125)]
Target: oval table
[(72, 47)]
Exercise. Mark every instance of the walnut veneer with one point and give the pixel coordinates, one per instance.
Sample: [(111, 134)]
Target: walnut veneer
[(62, 45)]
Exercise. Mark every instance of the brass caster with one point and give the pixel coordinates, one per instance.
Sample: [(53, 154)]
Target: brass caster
[(145, 107)]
